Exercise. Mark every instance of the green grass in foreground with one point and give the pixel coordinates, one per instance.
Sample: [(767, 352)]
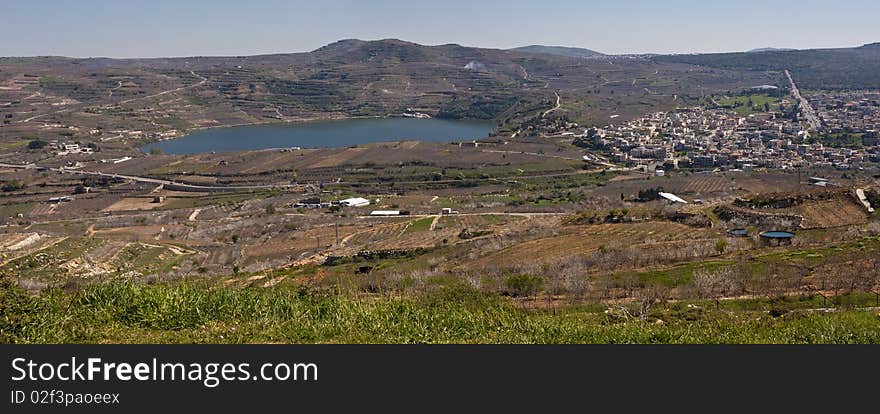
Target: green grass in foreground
[(186, 313)]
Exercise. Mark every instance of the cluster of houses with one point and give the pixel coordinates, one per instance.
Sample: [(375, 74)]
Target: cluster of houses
[(707, 138), (849, 112), (315, 202), (62, 149)]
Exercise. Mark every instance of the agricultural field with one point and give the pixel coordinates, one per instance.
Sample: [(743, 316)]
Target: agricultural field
[(560, 252), (574, 241), (835, 213), (755, 103)]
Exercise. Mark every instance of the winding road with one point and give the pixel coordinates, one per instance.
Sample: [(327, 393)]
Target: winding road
[(200, 83), (558, 105)]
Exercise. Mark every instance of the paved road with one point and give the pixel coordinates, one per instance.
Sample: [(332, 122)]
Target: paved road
[(524, 214), (805, 105), (177, 185), (496, 179), (536, 154)]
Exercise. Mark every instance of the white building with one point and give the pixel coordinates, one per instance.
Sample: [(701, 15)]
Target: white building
[(355, 202)]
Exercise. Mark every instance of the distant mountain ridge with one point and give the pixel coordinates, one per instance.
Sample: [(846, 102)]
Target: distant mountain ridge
[(558, 50), (358, 78), (836, 68), (770, 49)]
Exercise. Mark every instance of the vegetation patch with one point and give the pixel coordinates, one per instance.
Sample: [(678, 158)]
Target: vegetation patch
[(449, 313)]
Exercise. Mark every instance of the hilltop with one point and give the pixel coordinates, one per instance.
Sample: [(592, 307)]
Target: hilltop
[(350, 78), (769, 49), (841, 68), (559, 51), (517, 88)]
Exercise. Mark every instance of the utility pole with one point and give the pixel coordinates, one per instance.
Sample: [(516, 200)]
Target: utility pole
[(337, 231)]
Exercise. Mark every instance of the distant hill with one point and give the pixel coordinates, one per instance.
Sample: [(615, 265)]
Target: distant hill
[(366, 78), (770, 49), (558, 50), (843, 68)]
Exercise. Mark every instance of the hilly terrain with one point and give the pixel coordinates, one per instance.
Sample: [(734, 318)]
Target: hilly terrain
[(845, 68), (559, 50), (349, 78), (725, 218), (769, 49)]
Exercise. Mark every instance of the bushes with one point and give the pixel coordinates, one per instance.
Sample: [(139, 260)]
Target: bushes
[(448, 312), (24, 318), (523, 285), (10, 186), (36, 144), (649, 194)]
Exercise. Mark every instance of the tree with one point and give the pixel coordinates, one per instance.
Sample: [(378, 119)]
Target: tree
[(36, 144), (715, 284), (875, 281), (12, 186), (650, 295), (524, 285), (631, 282), (720, 246), (577, 283)]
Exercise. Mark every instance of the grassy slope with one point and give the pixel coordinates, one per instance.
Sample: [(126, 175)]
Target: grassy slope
[(422, 224), (449, 314)]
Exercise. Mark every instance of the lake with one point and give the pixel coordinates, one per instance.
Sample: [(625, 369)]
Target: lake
[(341, 133)]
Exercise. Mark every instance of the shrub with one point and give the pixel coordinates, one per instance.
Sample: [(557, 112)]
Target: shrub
[(523, 285), (36, 144), (12, 186), (720, 246)]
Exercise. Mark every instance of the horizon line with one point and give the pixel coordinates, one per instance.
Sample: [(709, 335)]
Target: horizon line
[(783, 48)]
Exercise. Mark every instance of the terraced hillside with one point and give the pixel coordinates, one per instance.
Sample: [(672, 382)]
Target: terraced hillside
[(345, 79)]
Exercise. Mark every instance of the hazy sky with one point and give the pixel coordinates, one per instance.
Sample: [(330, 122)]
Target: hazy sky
[(131, 28)]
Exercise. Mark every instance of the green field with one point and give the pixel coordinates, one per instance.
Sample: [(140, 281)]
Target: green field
[(216, 199), (12, 210), (422, 224), (448, 313), (759, 103)]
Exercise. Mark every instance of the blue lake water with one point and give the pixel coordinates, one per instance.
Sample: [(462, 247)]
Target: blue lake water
[(342, 133)]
